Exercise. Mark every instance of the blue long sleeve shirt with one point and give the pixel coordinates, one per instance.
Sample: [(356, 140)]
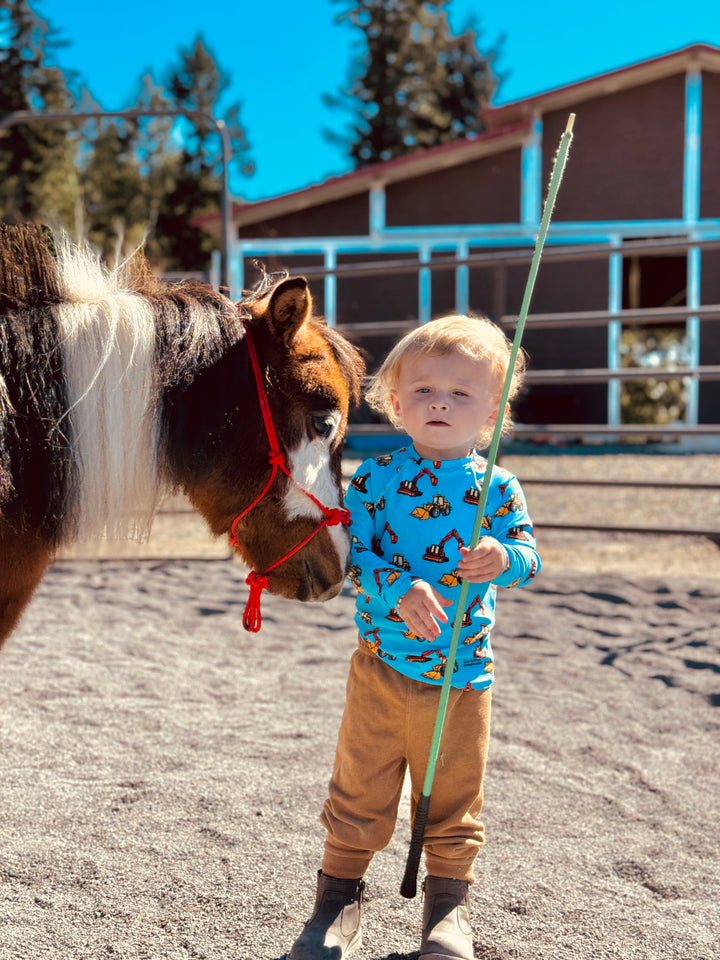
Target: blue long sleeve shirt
[(410, 516)]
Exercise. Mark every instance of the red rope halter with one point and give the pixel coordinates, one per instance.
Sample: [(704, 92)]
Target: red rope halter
[(252, 618)]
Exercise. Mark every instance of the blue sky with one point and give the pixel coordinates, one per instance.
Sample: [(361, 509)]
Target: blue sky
[(283, 55)]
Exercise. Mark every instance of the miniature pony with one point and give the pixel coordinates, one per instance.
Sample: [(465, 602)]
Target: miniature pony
[(116, 388)]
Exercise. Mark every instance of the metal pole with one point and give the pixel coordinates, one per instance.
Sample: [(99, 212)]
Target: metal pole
[(30, 116)]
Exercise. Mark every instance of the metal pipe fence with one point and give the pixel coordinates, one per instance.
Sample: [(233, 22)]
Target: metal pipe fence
[(610, 374), (540, 432), (613, 374)]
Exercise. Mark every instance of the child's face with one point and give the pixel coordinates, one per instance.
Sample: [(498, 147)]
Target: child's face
[(443, 401)]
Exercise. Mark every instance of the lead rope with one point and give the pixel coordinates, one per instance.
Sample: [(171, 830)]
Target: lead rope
[(332, 516)]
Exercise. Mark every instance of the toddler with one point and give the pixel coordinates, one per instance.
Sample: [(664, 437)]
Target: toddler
[(413, 512)]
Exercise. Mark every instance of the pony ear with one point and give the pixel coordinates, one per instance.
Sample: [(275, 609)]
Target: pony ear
[(289, 307)]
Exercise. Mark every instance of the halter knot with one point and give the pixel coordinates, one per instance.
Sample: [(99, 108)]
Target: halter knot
[(276, 458), (252, 618), (337, 515)]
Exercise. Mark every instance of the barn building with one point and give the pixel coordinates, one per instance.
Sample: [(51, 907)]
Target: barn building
[(634, 243)]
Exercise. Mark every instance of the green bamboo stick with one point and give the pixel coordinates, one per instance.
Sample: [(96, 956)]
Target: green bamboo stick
[(409, 883)]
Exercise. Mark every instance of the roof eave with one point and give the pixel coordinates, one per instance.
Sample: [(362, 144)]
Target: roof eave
[(697, 56), (377, 175)]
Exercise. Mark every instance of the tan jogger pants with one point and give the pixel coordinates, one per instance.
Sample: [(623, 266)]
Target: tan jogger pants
[(387, 727)]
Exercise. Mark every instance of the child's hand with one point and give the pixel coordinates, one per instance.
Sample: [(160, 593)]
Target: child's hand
[(421, 608), (487, 561)]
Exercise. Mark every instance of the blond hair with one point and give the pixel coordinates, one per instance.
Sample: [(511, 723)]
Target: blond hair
[(477, 338)]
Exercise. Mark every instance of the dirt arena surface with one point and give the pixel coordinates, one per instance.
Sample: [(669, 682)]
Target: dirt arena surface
[(162, 771)]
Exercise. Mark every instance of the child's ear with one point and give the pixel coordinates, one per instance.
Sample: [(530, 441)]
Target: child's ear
[(494, 415)]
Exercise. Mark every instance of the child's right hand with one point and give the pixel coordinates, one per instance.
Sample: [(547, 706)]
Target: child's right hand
[(421, 608)]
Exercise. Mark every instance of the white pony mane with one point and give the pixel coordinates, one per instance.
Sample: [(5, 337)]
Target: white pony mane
[(107, 333)]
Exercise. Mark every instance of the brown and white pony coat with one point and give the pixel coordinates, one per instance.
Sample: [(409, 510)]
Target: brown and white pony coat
[(116, 388)]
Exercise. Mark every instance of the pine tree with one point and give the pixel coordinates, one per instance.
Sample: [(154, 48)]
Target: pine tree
[(129, 164), (120, 182), (38, 180), (197, 84), (415, 84), (115, 194)]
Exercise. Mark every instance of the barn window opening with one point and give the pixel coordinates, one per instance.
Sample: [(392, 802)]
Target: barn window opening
[(654, 282)]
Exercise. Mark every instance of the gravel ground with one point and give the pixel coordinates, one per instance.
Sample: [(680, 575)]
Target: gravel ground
[(162, 771)]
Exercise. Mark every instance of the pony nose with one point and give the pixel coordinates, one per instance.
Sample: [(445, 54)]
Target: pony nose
[(318, 584)]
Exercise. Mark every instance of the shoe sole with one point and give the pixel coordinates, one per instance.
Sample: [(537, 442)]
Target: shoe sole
[(352, 947), (436, 956)]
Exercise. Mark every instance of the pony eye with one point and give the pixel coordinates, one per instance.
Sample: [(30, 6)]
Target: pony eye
[(324, 425)]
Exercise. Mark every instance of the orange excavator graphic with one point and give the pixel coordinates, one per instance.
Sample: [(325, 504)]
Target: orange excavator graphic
[(377, 541), (467, 619), (424, 657), (374, 645), (410, 487), (437, 670), (392, 574), (357, 543), (435, 551), (519, 533), (528, 578), (353, 576), (472, 496), (358, 482)]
